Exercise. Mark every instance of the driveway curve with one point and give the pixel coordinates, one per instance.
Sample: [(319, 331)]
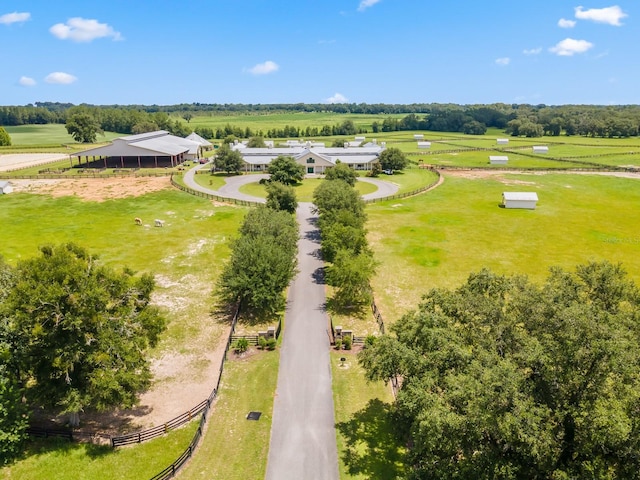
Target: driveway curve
[(232, 188)]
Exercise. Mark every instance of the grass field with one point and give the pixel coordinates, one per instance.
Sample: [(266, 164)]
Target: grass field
[(234, 448), (304, 191), (64, 460), (53, 134), (185, 256), (438, 238), (367, 446)]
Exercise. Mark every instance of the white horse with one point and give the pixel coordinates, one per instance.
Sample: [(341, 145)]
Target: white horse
[(159, 223), (138, 221)]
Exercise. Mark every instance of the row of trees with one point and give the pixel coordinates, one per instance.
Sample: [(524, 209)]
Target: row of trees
[(504, 378), (262, 263), (344, 242), (73, 336)]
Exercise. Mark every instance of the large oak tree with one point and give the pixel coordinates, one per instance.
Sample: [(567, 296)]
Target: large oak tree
[(506, 379)]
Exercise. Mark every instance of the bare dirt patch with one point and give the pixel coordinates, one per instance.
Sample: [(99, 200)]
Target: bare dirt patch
[(94, 189)]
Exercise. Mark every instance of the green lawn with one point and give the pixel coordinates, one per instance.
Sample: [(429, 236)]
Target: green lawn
[(64, 460), (233, 447), (438, 238), (304, 191), (367, 445), (53, 134)]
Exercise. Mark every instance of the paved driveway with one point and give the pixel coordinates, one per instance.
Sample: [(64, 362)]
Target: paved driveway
[(303, 437)]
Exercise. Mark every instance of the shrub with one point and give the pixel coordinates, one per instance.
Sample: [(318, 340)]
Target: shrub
[(242, 344), (262, 343), (338, 344), (271, 344), (347, 343), (369, 341)]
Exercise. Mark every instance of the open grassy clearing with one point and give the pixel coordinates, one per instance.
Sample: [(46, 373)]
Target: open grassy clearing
[(438, 238), (234, 448), (367, 446), (304, 191), (301, 120), (480, 159), (52, 134), (64, 460), (213, 182)]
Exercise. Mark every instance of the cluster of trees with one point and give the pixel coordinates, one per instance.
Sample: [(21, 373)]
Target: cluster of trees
[(393, 159), (344, 241), (73, 336), (262, 263), (504, 378)]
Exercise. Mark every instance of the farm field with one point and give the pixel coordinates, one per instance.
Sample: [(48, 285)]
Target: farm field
[(437, 239), (52, 135), (301, 120)]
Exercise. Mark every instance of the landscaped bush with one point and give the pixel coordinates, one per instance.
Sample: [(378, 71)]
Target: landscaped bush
[(241, 346), (338, 344), (347, 343), (271, 344), (262, 343)]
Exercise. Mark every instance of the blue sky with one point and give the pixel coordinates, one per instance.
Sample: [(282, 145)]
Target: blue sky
[(313, 51)]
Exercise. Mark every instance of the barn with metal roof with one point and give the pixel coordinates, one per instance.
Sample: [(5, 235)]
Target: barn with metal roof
[(152, 149)]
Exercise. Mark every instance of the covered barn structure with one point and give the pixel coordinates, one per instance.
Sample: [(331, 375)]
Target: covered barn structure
[(145, 150), (527, 200)]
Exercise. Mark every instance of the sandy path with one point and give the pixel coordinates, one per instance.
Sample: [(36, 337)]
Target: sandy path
[(15, 161)]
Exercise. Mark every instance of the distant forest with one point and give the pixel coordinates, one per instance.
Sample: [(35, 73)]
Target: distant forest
[(515, 119)]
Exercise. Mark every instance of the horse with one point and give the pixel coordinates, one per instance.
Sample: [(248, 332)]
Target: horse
[(138, 221), (159, 223)]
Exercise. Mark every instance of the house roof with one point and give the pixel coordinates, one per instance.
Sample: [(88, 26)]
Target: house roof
[(351, 155), (521, 196), (498, 157), (4, 183), (194, 137)]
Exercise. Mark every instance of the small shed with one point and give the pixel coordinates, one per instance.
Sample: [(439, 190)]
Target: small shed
[(360, 139), (498, 159), (540, 149), (5, 187), (526, 200), (418, 136), (424, 145), (502, 141)]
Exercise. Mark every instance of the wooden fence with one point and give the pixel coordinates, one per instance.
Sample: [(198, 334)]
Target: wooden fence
[(411, 193)]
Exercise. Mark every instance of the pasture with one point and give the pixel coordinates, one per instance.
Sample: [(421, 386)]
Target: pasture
[(438, 238), (53, 136), (185, 258)]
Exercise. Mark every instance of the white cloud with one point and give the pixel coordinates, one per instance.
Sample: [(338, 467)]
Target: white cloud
[(337, 98), (264, 68), (15, 17), (608, 15), (83, 30), (60, 78), (569, 47), (503, 61), (533, 51), (564, 23), (27, 81), (364, 4)]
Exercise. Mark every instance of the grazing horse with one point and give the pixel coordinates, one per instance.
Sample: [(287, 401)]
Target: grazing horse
[(138, 221), (159, 223)]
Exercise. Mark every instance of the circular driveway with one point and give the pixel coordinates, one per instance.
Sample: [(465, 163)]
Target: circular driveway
[(232, 188)]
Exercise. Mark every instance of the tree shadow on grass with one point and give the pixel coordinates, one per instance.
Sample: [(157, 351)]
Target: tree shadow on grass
[(357, 310), (372, 448), (63, 447)]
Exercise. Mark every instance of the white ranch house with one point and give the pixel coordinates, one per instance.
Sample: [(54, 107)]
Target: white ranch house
[(526, 200), (498, 159), (314, 159)]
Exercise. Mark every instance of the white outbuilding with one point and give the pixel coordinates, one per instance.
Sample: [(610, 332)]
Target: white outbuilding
[(526, 200), (502, 141), (423, 145), (418, 136), (5, 187), (540, 149), (498, 159)]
